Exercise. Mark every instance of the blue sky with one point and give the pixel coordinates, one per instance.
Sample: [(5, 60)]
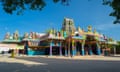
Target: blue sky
[(84, 13)]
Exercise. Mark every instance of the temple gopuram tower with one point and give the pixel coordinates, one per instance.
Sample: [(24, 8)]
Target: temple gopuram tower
[(68, 26)]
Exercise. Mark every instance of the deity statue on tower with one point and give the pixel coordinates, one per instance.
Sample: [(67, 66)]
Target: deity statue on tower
[(26, 35), (89, 28), (89, 32), (7, 36), (96, 34), (32, 35), (81, 31), (16, 35)]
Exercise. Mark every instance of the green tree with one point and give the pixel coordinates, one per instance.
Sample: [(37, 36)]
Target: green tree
[(118, 48), (115, 4), (10, 6)]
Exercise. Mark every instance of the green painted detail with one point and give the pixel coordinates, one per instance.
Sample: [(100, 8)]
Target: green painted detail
[(65, 34), (20, 47), (84, 37), (11, 40), (36, 52), (96, 38), (83, 43), (29, 39), (61, 33), (73, 42)]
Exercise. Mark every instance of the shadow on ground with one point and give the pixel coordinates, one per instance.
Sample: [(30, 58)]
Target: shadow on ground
[(18, 67), (65, 65), (61, 65), (114, 56)]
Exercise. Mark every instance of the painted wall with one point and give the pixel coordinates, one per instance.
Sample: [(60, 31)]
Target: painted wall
[(36, 52)]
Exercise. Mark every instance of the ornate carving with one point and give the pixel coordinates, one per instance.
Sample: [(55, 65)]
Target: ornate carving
[(32, 35), (16, 35), (89, 28), (81, 31), (7, 36), (96, 33), (68, 26), (89, 32), (26, 35)]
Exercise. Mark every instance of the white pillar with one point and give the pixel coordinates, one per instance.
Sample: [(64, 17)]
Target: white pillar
[(114, 50)]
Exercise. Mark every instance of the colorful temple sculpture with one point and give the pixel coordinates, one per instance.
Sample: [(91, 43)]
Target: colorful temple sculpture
[(69, 41), (68, 26), (13, 42)]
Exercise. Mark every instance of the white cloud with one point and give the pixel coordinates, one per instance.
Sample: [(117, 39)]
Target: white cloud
[(106, 26)]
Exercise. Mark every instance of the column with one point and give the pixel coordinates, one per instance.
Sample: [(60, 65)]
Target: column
[(69, 48), (83, 51), (66, 51), (77, 49), (50, 48), (26, 48), (73, 48), (98, 49), (60, 49), (114, 50), (90, 50)]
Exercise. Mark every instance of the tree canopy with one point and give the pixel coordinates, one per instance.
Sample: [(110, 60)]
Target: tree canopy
[(10, 6), (115, 4), (18, 6)]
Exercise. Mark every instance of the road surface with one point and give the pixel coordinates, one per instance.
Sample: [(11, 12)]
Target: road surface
[(41, 64)]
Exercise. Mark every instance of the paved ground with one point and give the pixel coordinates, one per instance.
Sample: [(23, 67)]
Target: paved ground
[(60, 64)]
